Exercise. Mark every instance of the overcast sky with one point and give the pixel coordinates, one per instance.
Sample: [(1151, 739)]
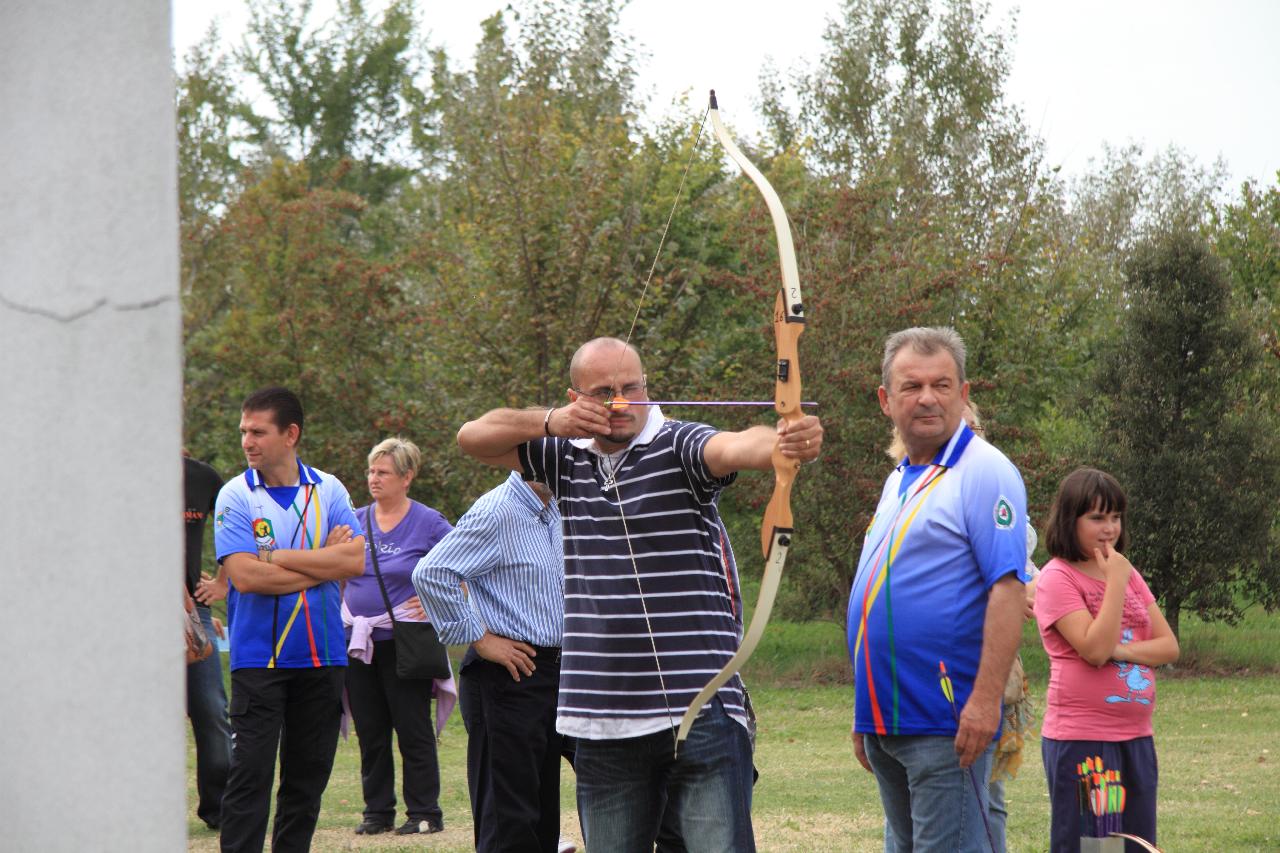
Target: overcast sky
[(1199, 75)]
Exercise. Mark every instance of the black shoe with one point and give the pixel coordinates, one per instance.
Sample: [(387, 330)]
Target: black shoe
[(413, 826), (373, 826)]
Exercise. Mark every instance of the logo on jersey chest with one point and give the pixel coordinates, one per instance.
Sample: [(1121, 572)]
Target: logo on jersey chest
[(263, 533)]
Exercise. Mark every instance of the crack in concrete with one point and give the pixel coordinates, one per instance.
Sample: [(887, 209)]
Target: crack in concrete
[(80, 313)]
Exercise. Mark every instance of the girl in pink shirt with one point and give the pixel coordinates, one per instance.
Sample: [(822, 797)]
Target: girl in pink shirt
[(1104, 635)]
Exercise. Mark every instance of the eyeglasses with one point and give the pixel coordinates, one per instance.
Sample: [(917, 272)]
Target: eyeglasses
[(604, 395)]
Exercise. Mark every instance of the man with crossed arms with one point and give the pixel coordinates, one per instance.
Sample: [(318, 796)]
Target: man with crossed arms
[(283, 534)]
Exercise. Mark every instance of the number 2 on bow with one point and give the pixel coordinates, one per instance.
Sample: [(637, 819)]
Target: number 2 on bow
[(788, 323)]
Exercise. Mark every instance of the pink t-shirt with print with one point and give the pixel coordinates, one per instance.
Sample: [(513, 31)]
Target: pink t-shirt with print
[(1112, 702)]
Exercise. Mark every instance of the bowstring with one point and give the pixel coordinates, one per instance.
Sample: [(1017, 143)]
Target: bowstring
[(615, 468), (666, 228)]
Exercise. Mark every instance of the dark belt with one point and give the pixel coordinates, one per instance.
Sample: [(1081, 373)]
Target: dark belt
[(545, 654), (549, 654)]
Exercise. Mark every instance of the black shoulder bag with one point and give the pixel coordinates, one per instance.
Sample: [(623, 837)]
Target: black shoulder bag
[(419, 652)]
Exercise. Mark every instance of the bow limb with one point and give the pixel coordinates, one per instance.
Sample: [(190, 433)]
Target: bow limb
[(777, 557), (791, 302), (776, 526), (1141, 842)]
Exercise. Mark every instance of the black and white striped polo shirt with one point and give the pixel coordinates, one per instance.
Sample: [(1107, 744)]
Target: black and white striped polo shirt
[(667, 542)]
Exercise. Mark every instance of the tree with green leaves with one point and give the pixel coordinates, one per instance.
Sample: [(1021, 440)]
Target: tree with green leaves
[(287, 296), (1247, 237), (924, 202), (532, 227), (343, 93), (213, 119), (541, 215), (1178, 425), (1126, 197), (458, 230)]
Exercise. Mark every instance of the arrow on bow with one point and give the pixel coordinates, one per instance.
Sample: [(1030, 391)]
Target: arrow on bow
[(620, 403), (788, 324)]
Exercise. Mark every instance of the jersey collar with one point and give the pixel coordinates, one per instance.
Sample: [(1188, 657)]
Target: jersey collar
[(306, 476), (949, 454)]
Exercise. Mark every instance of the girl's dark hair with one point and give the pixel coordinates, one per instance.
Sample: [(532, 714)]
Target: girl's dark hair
[(1080, 492)]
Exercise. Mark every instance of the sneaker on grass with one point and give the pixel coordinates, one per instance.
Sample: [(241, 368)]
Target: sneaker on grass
[(414, 826), (374, 826)]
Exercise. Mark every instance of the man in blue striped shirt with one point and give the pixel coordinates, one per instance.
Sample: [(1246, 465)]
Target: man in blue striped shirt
[(652, 609), (507, 550)]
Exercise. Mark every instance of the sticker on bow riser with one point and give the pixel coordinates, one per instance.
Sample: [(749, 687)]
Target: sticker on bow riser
[(780, 545)]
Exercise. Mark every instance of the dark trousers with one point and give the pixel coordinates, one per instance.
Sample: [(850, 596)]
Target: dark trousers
[(297, 711), (207, 709), (1139, 773), (513, 754), (382, 701)]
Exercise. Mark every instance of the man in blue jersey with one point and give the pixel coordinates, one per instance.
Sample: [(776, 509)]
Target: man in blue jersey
[(507, 551), (652, 605), (939, 584), (283, 532)]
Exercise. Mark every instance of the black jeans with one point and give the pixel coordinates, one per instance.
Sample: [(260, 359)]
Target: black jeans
[(381, 701), (297, 711), (513, 754)]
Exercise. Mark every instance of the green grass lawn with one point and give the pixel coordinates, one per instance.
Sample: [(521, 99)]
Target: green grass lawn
[(1220, 788)]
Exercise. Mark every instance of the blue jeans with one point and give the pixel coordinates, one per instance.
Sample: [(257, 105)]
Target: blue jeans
[(627, 788), (207, 708), (998, 813), (929, 801)]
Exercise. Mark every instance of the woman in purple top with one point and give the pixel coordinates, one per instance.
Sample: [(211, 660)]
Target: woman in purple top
[(403, 531)]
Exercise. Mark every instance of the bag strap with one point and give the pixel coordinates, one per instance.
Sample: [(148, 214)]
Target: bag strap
[(373, 554)]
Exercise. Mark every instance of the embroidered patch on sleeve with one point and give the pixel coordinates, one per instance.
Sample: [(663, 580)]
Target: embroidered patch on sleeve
[(1004, 514)]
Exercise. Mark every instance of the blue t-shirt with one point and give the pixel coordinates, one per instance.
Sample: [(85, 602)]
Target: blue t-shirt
[(306, 627), (942, 535)]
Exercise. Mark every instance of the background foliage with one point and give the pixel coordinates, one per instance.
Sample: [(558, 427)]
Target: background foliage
[(409, 243)]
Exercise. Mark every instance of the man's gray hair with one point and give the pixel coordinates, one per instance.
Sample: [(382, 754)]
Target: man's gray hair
[(403, 453), (925, 340)]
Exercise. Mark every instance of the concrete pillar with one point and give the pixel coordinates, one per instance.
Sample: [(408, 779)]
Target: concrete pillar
[(92, 697)]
